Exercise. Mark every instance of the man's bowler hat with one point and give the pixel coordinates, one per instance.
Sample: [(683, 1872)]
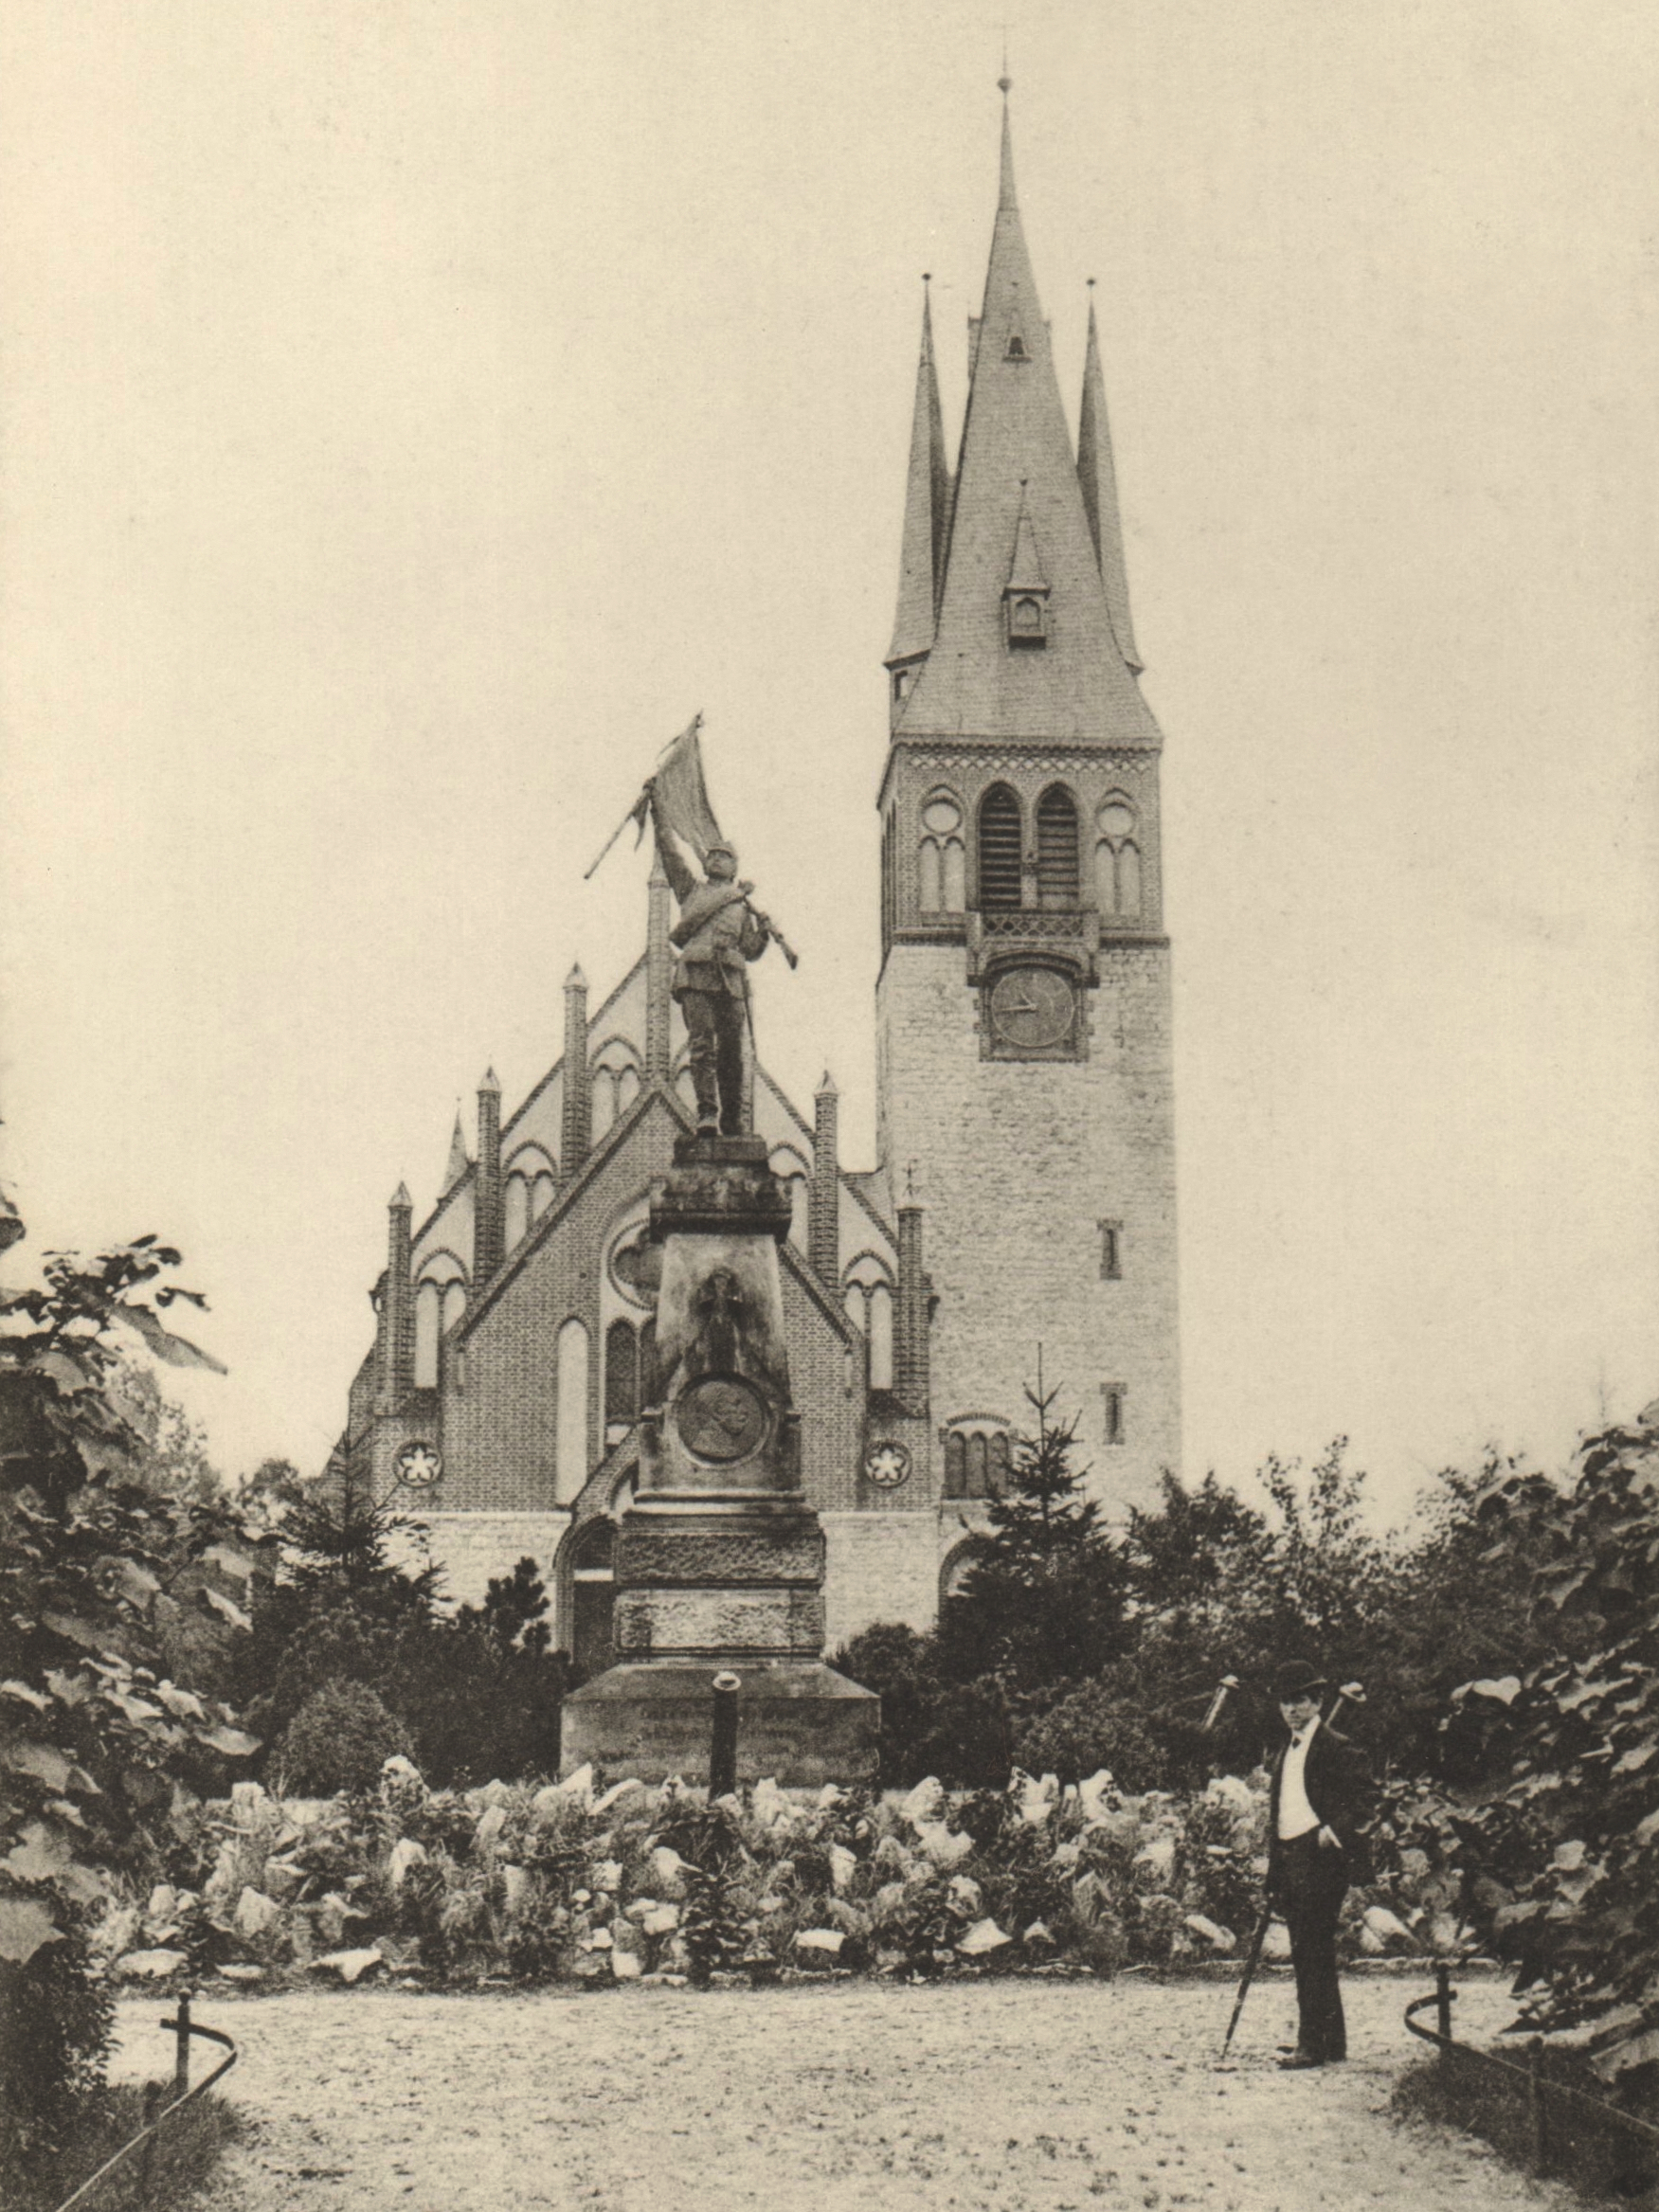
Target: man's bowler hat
[(1296, 1679)]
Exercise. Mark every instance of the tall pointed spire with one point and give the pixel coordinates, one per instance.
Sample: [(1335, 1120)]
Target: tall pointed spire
[(1005, 198), (1099, 481), (927, 509), (979, 679)]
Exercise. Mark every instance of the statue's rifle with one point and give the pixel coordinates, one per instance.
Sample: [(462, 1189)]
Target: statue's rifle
[(1350, 1693), (776, 937)]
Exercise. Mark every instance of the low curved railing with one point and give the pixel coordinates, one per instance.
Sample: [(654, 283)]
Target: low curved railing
[(1540, 2089), (182, 2026)]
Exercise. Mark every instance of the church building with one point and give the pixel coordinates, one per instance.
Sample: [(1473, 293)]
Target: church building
[(1025, 1188)]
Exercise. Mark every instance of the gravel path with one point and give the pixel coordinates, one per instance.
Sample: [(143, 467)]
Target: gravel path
[(850, 2096)]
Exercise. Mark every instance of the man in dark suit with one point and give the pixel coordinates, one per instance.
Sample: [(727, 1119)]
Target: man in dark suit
[(1317, 1808)]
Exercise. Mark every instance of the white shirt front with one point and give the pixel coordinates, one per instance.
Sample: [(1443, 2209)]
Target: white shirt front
[(1296, 1815)]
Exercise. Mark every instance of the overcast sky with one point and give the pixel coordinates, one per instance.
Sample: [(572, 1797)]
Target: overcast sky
[(414, 409)]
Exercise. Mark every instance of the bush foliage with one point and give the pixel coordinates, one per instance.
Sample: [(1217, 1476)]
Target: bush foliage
[(574, 1882), (104, 1754)]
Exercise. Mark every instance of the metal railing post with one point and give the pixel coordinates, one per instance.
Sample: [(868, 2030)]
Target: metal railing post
[(723, 1742), (181, 2060)]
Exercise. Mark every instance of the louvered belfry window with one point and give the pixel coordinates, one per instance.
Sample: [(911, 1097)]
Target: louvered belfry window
[(999, 847), (1056, 848)]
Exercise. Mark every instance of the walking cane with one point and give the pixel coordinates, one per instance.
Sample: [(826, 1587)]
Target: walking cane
[(1350, 1693)]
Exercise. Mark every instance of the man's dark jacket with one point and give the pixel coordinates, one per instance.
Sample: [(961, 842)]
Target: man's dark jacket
[(1338, 1780)]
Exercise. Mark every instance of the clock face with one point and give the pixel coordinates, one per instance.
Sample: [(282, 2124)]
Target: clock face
[(1031, 1008), (887, 1464), (721, 1419), (420, 1464)]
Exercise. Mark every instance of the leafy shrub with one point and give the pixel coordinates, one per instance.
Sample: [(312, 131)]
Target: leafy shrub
[(1095, 1727), (1554, 1860), (56, 2022), (340, 1740), (105, 1754)]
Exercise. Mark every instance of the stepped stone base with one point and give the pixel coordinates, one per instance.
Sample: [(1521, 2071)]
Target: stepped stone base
[(798, 1721)]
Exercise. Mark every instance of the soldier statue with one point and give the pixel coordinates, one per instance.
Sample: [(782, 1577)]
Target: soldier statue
[(718, 933)]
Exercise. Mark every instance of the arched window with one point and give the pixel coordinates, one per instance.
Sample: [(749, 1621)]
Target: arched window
[(650, 1379), (593, 1596), (615, 1084), (440, 1302), (515, 1211), (791, 1171), (956, 1465), (999, 848), (1117, 858), (976, 1461), (622, 1376), (1016, 348), (527, 1193), (941, 872), (429, 1325), (866, 1300), (570, 1429), (881, 1338), (604, 1093), (1057, 848)]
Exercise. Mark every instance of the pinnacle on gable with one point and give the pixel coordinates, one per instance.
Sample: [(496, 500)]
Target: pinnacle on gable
[(458, 1162), (1098, 479), (576, 981), (401, 1201), (827, 1087), (491, 1083)]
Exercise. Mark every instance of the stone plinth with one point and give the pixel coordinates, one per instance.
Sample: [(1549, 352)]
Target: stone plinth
[(798, 1721), (719, 1559)]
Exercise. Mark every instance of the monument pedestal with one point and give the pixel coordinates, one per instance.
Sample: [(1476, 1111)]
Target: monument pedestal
[(719, 1559)]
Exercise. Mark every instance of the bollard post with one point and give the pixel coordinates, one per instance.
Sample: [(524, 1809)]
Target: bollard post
[(723, 1744), (181, 2060), (1443, 1996), (1537, 2110)]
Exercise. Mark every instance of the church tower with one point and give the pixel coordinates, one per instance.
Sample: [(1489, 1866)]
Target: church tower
[(1024, 1079)]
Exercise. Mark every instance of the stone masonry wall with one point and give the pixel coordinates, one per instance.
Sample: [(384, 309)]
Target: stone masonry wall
[(1018, 1163), (878, 1568)]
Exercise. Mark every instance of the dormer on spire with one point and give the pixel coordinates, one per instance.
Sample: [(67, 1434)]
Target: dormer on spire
[(1026, 594), (1099, 481), (927, 522)]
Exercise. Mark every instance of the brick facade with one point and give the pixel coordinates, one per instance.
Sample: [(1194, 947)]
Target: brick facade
[(980, 1235)]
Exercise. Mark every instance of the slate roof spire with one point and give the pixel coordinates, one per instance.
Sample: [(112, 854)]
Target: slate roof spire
[(927, 509), (1099, 481), (1017, 450)]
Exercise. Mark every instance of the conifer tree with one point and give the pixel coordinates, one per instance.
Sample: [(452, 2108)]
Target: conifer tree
[(1043, 1602)]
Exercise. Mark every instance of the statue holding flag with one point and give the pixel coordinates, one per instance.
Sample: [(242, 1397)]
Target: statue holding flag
[(718, 933)]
